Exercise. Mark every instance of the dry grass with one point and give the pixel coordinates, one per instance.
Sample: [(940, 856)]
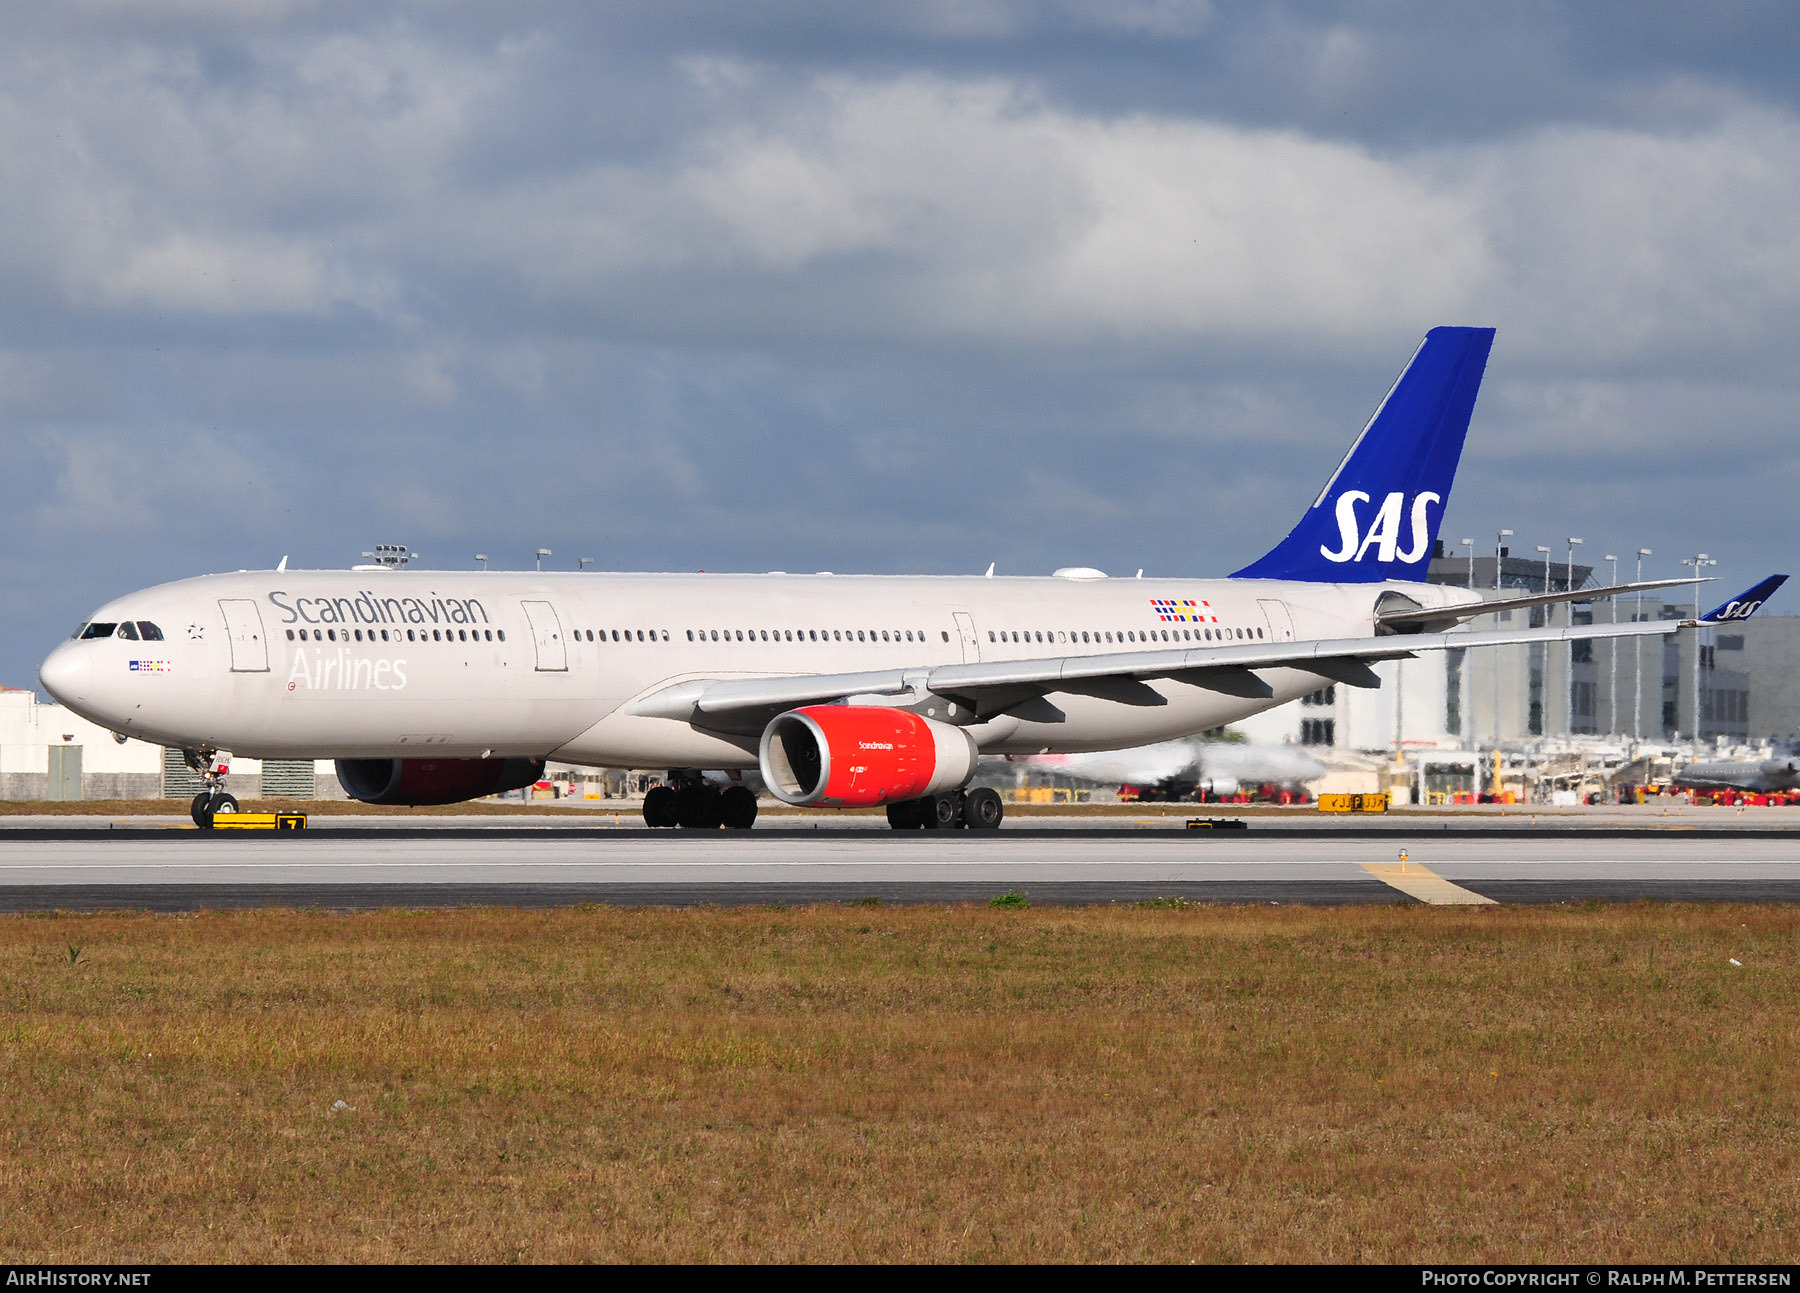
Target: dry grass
[(1399, 1084)]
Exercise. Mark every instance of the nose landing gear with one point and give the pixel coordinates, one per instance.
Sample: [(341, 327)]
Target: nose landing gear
[(213, 798)]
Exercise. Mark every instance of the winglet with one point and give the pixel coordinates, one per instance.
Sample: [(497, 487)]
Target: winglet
[(1745, 604)]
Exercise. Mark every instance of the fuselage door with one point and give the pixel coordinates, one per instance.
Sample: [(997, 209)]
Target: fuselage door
[(547, 637), (971, 645), (1281, 623), (244, 626)]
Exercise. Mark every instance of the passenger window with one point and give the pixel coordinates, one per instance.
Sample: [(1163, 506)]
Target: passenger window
[(488, 632), (462, 635), (384, 635), (150, 631), (436, 636), (290, 634), (96, 630), (884, 635), (502, 633), (128, 631), (409, 635), (946, 633)]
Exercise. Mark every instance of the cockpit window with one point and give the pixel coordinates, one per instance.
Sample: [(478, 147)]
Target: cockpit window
[(128, 631), (98, 630), (150, 631)]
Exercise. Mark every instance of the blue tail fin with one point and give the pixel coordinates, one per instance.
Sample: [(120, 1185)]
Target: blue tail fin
[(1377, 517), (1745, 604)]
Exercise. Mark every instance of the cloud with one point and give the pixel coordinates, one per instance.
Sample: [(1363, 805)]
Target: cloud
[(724, 285)]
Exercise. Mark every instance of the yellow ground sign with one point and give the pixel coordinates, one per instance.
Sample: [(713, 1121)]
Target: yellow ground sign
[(1353, 803), (259, 822)]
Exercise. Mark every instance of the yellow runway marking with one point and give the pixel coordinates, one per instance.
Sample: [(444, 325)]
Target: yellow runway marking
[(1423, 883)]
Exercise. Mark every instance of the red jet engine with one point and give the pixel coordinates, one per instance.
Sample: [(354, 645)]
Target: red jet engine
[(862, 756), (433, 781)]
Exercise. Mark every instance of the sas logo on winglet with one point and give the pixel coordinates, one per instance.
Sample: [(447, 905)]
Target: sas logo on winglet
[(1737, 610), (1384, 528)]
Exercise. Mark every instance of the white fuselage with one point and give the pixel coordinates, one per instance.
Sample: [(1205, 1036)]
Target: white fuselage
[(339, 664)]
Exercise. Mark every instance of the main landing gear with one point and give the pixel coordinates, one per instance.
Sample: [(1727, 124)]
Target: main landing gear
[(213, 798), (978, 810), (689, 801)]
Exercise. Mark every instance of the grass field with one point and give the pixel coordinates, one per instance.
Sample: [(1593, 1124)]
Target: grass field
[(865, 1082)]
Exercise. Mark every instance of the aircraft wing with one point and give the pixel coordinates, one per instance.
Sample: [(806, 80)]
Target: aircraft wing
[(992, 688), (1444, 616)]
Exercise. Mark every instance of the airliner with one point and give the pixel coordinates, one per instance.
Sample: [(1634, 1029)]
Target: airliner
[(1766, 777), (842, 691)]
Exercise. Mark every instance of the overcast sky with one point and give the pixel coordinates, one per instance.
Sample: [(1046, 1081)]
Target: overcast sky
[(873, 288)]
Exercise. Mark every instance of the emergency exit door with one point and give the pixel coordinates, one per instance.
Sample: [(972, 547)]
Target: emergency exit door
[(1281, 623), (971, 645)]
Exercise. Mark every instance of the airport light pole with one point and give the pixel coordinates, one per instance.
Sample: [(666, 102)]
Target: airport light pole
[(1543, 676), (1637, 647), (1569, 650), (1612, 654), (482, 557), (1500, 539), (1698, 561), (584, 562), (541, 554), (1468, 677)]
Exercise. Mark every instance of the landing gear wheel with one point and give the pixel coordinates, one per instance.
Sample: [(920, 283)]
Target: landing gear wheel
[(202, 818), (982, 810), (659, 807), (691, 805), (906, 814), (737, 807), (941, 812), (220, 803)]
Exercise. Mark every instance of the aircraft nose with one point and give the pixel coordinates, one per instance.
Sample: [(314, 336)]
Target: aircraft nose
[(68, 674)]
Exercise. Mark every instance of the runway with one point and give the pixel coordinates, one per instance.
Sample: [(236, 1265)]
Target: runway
[(362, 865)]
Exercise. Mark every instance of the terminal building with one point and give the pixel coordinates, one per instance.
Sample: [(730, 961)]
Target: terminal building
[(1735, 685)]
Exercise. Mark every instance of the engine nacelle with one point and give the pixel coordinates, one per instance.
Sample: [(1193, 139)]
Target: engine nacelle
[(862, 756), (433, 781)]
